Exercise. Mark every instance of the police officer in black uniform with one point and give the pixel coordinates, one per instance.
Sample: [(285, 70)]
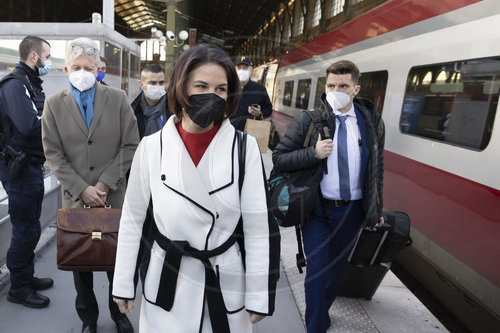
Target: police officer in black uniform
[(254, 102), (21, 153)]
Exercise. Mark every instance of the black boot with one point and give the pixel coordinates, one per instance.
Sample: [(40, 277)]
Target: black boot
[(27, 296), (123, 325), (41, 284), (87, 328)]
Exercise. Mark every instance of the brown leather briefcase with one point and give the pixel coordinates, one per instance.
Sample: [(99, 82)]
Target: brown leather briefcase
[(87, 238)]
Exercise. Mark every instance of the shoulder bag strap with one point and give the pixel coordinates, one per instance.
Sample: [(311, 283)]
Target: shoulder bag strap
[(241, 138)]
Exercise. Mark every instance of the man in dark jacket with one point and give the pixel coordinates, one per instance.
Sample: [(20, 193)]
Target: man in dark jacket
[(150, 107), (21, 105), (254, 100), (351, 187)]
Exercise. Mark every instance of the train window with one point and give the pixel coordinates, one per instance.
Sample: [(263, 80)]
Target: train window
[(373, 86), (320, 89), (336, 7), (303, 92), (453, 102), (288, 93)]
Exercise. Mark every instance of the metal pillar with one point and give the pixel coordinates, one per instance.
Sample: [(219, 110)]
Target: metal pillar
[(108, 13), (170, 24), (169, 47)]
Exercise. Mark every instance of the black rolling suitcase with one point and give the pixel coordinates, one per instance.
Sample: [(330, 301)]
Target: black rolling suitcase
[(373, 254)]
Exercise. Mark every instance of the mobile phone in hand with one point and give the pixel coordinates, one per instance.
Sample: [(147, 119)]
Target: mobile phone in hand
[(254, 105)]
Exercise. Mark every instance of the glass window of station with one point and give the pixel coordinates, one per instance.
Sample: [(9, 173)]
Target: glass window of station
[(9, 54), (112, 54), (453, 102)]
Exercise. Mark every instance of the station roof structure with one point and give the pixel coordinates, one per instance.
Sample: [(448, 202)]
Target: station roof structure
[(224, 22)]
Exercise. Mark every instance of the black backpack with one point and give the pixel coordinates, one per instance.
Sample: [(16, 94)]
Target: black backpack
[(294, 194)]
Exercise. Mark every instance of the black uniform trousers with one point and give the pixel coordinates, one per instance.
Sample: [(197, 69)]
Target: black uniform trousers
[(86, 302), (25, 206), (327, 245)]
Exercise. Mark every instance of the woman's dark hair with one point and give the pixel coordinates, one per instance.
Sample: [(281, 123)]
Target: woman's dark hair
[(190, 60)]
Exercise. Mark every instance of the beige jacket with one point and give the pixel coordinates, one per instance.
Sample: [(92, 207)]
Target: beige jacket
[(80, 157)]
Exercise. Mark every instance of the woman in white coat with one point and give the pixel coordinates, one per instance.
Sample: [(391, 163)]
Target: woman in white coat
[(194, 274)]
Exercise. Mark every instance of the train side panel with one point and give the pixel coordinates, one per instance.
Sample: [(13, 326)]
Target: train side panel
[(451, 192)]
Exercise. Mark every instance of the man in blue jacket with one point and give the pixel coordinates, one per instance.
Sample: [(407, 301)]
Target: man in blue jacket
[(351, 187), (21, 152), (254, 100)]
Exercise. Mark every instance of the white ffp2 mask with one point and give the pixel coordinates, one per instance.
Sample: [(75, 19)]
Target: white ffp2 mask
[(82, 80), (243, 75), (337, 99)]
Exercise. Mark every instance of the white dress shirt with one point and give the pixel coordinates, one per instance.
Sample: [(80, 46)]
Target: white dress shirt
[(330, 186)]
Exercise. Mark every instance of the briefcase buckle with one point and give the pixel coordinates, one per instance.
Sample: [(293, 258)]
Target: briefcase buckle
[(96, 235)]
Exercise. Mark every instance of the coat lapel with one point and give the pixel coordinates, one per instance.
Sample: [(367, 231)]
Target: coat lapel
[(217, 165), (74, 110), (195, 183), (99, 101)]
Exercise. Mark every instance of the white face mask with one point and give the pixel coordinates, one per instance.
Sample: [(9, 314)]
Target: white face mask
[(243, 74), (154, 93), (82, 80), (338, 100)]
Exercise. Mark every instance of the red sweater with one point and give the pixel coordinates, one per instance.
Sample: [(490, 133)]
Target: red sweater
[(197, 143)]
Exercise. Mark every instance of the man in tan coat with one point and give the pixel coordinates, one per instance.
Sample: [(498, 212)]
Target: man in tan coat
[(89, 135)]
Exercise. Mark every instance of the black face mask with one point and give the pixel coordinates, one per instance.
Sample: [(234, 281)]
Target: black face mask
[(205, 108)]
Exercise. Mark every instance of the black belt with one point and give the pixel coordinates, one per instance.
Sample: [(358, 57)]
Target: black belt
[(29, 158), (338, 203), (168, 279)]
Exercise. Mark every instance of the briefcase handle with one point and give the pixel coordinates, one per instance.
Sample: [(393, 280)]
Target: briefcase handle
[(106, 205)]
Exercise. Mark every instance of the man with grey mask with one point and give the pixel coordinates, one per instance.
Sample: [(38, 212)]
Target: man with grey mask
[(150, 107)]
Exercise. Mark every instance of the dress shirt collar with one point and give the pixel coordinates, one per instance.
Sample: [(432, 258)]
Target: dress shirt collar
[(349, 113)]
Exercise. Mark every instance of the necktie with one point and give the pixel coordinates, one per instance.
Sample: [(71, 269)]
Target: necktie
[(343, 162)]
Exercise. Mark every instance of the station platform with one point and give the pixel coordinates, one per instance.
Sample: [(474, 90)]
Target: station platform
[(393, 308)]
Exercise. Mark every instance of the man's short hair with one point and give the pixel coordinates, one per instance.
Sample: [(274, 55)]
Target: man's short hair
[(29, 44), (103, 60), (344, 67), (152, 68)]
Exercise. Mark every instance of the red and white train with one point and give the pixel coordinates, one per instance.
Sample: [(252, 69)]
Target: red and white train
[(433, 69)]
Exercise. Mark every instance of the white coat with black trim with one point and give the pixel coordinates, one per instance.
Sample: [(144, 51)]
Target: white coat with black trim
[(201, 205)]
